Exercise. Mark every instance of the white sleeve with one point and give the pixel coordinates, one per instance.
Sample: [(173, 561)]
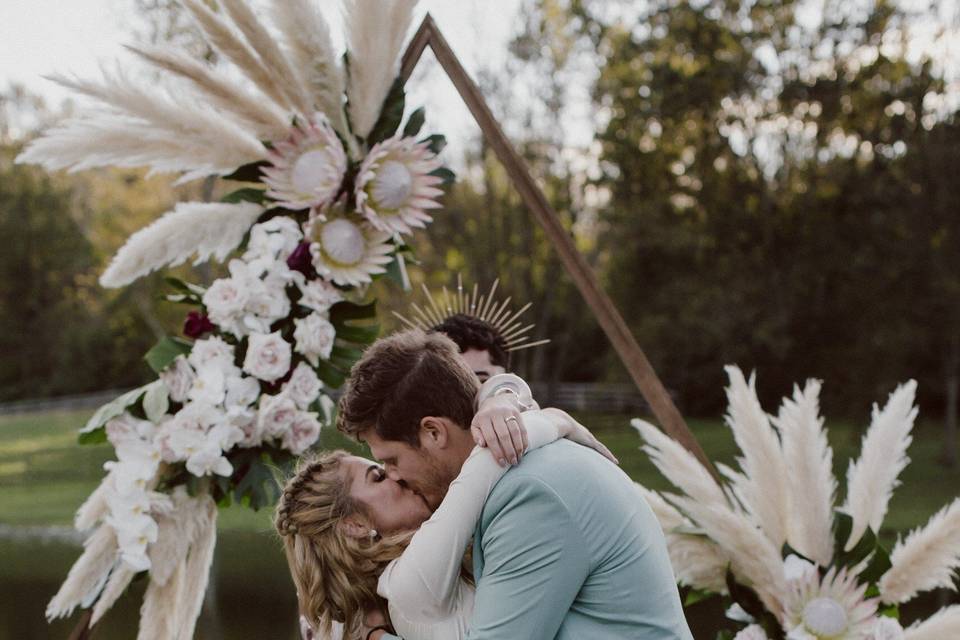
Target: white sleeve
[(514, 383), (422, 582)]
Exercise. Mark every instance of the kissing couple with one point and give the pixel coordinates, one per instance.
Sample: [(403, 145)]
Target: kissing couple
[(563, 546)]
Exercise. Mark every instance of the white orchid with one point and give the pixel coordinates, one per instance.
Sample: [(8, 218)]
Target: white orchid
[(209, 387), (242, 391), (178, 377), (274, 239)]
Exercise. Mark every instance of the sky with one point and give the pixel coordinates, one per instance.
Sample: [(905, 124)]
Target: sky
[(39, 37)]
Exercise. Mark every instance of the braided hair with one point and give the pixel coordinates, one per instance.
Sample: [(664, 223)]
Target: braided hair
[(335, 574)]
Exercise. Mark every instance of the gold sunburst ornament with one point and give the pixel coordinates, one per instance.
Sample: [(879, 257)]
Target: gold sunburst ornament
[(486, 308)]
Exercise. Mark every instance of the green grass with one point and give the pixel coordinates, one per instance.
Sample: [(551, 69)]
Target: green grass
[(46, 475)]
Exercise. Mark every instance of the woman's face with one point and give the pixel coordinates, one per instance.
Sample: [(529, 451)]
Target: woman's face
[(392, 507)]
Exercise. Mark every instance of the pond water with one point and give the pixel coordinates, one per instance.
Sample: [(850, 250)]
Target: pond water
[(251, 594)]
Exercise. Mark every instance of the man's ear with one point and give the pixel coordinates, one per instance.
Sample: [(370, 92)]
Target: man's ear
[(434, 432), (354, 526)]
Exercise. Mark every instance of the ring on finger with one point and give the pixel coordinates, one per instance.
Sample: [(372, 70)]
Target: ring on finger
[(514, 418)]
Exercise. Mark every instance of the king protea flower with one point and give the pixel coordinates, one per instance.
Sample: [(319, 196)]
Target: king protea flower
[(307, 168), (346, 251), (833, 608), (394, 188)]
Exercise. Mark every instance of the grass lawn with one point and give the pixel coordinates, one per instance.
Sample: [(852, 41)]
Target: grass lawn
[(46, 475)]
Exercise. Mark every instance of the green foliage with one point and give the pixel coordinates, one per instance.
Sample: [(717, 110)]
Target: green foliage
[(391, 115), (414, 123), (247, 194), (165, 352)]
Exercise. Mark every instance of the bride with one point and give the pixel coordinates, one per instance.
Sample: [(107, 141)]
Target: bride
[(363, 549)]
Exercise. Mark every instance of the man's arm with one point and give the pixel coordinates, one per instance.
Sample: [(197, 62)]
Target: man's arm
[(535, 562)]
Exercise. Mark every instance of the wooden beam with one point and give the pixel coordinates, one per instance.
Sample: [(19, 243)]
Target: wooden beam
[(602, 306)]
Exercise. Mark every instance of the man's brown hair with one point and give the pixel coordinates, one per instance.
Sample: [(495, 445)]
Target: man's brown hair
[(402, 379)]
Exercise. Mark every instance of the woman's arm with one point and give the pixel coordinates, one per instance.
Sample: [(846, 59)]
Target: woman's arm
[(423, 582)]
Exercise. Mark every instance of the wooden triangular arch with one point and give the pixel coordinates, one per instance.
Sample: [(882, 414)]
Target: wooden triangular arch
[(610, 320)]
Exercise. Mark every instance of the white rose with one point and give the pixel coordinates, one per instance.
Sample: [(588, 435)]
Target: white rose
[(314, 336), (242, 391), (319, 295), (213, 352), (225, 300), (276, 415), (178, 377), (303, 386), (267, 303), (209, 387), (277, 238), (268, 356), (303, 432)]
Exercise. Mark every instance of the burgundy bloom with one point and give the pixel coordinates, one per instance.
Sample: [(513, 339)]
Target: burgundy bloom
[(197, 324), (301, 260)]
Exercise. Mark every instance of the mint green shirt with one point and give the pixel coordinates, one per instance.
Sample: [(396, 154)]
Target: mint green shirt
[(567, 548)]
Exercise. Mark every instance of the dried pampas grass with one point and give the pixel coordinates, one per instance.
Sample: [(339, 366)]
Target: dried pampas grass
[(873, 477), (269, 53), (753, 557), (678, 465), (263, 115), (204, 229), (225, 40), (926, 560), (808, 461), (762, 487), (697, 561), (943, 625), (119, 580), (376, 32), (309, 45), (88, 574)]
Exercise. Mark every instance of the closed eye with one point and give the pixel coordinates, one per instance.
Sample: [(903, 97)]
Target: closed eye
[(375, 473)]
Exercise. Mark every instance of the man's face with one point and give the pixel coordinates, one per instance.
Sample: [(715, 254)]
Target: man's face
[(479, 362), (420, 469)]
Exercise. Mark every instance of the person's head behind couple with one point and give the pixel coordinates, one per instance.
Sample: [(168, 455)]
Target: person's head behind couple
[(344, 518)]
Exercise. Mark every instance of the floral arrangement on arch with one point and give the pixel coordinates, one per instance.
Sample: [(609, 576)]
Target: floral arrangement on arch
[(771, 540), (332, 184)]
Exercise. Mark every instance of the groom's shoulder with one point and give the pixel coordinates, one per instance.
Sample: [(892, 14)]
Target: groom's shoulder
[(563, 468)]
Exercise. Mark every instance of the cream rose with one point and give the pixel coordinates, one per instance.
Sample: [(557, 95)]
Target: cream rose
[(268, 356), (314, 336), (303, 386), (303, 432)]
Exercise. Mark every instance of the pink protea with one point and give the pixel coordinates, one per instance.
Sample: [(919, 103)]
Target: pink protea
[(394, 188), (346, 251), (833, 608), (306, 169)]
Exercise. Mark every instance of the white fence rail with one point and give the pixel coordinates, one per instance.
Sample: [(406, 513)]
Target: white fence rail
[(571, 396)]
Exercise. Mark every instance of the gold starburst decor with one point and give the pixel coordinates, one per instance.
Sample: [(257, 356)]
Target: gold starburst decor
[(328, 177), (484, 307), (771, 539)]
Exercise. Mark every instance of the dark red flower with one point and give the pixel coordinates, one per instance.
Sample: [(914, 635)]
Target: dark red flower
[(197, 324), (301, 260)]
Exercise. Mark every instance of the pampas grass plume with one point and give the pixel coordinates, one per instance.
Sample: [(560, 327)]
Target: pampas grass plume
[(88, 574), (873, 477), (926, 560), (204, 229)]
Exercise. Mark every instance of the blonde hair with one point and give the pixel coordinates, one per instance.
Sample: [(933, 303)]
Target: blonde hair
[(335, 574)]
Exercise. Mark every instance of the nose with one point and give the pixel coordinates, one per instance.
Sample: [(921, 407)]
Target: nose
[(391, 472)]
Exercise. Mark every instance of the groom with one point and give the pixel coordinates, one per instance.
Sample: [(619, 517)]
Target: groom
[(565, 548)]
